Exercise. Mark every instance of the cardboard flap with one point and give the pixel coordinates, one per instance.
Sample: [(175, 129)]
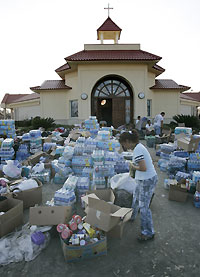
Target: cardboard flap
[(99, 205), (104, 194), (85, 198), (127, 217), (49, 215), (122, 212)]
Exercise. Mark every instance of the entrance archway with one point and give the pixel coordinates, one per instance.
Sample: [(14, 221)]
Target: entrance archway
[(112, 101)]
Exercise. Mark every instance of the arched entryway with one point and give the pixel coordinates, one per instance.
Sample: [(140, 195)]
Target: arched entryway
[(112, 101)]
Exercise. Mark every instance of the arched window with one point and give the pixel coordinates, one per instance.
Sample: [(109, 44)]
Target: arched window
[(111, 88)]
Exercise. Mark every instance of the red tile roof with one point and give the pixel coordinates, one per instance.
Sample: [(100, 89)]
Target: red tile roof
[(51, 85), (112, 55), (28, 97), (195, 96), (109, 25), (159, 68), (9, 98), (168, 84), (64, 67)]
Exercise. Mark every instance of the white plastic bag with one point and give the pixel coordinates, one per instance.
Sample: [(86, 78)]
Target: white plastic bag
[(11, 170), (39, 167), (17, 246), (25, 185), (123, 181)]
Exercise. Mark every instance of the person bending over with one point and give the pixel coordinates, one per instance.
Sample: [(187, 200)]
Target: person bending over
[(146, 178)]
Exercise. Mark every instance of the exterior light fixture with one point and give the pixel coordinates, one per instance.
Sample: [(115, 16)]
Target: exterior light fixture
[(103, 102)]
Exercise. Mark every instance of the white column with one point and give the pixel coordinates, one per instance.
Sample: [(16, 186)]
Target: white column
[(116, 38), (101, 38)]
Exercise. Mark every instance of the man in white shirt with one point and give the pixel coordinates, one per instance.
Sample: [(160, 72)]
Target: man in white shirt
[(158, 123)]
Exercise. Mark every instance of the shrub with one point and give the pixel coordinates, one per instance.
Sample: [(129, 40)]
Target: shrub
[(189, 120), (46, 123), (23, 123)]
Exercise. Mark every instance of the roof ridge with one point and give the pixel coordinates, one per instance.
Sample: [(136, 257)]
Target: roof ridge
[(106, 22)]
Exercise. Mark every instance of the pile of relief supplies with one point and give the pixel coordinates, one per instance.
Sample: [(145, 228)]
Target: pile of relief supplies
[(91, 162), (182, 165)]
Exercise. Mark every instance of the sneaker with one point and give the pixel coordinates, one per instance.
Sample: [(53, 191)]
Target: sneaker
[(142, 237)]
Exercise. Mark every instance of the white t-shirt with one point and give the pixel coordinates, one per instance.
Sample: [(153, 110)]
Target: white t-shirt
[(141, 153), (157, 120), (149, 127)]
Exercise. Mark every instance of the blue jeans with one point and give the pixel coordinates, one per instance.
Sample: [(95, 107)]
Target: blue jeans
[(157, 130), (141, 201)]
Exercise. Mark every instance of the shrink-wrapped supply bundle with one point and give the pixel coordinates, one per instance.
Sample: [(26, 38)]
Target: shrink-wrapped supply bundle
[(7, 128), (22, 152), (7, 151), (92, 126), (35, 141)]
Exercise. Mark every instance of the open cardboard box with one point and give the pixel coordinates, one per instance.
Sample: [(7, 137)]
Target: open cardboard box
[(49, 215), (13, 216), (189, 144), (102, 213), (177, 193), (29, 197), (34, 159), (78, 253)]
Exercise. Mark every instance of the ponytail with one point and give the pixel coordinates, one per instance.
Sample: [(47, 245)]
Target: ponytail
[(129, 136)]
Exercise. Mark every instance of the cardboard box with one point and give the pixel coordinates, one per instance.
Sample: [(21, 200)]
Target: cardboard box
[(101, 214), (181, 135), (34, 159), (176, 193), (13, 216), (78, 253), (29, 197), (188, 143), (49, 215), (117, 231)]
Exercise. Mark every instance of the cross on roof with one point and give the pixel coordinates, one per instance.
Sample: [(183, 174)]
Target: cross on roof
[(108, 8)]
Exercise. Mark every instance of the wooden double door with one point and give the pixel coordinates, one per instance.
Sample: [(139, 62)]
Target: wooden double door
[(113, 111), (112, 101)]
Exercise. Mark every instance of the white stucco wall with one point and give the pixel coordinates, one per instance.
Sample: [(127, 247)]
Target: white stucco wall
[(54, 104), (167, 101), (26, 112), (185, 109)]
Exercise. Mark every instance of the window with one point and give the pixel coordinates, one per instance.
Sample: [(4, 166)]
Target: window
[(74, 108), (149, 105), (110, 88)]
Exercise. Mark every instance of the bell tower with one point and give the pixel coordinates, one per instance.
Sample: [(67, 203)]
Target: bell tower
[(108, 30)]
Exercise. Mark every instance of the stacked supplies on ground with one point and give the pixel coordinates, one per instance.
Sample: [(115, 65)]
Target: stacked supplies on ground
[(7, 128), (7, 151), (92, 125), (35, 141)]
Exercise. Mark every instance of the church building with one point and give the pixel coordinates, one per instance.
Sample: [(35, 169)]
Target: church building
[(116, 82)]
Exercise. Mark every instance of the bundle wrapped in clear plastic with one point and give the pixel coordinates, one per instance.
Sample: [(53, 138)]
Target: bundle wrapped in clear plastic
[(12, 169), (18, 246)]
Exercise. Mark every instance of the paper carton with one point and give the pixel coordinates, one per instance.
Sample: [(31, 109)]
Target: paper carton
[(78, 253), (188, 143), (117, 231), (49, 215), (29, 197), (101, 214), (177, 193), (34, 159), (13, 216)]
